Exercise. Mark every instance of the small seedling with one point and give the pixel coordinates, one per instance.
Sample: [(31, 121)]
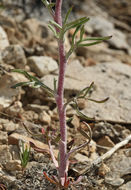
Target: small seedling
[(59, 28), (24, 153)]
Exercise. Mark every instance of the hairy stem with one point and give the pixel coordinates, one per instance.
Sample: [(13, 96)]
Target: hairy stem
[(60, 95)]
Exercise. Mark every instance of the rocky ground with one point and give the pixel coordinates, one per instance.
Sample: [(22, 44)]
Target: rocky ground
[(27, 43)]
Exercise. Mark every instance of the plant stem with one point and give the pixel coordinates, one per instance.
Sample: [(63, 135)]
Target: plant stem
[(60, 95)]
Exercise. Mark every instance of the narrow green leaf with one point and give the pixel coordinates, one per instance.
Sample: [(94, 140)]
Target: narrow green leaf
[(85, 91), (76, 23), (51, 5), (67, 15), (55, 88), (88, 44), (55, 24), (20, 84), (83, 132), (34, 82), (52, 29), (74, 34), (83, 116), (88, 89), (45, 2), (22, 72), (96, 38), (98, 101), (82, 33)]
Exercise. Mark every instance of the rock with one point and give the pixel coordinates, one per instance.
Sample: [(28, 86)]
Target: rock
[(15, 152), (81, 158), (14, 55), (117, 87), (10, 127), (13, 165), (15, 109), (5, 155), (126, 186), (114, 181), (30, 115), (7, 94), (42, 65), (14, 138), (105, 141), (3, 137), (9, 179), (81, 103), (45, 118), (102, 129), (120, 166), (37, 108), (118, 106), (3, 39), (106, 28), (41, 158), (103, 170), (75, 122), (72, 86)]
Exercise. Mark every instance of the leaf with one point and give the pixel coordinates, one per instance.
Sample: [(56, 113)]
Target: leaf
[(55, 24), (53, 30), (46, 3), (22, 72), (98, 101), (49, 179), (76, 23), (55, 88), (34, 82), (20, 84), (67, 15), (74, 34), (83, 132), (82, 115), (99, 40), (51, 5), (96, 38), (82, 33), (89, 44), (85, 91)]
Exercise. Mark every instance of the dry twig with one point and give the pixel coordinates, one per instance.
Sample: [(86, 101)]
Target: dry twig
[(107, 155)]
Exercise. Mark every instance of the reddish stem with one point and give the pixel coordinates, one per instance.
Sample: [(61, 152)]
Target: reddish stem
[(60, 95)]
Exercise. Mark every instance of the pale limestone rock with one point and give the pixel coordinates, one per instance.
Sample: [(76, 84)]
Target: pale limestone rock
[(14, 138), (3, 137), (7, 94), (14, 55), (5, 155), (113, 80), (45, 118), (3, 39), (42, 65), (10, 127), (13, 165)]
